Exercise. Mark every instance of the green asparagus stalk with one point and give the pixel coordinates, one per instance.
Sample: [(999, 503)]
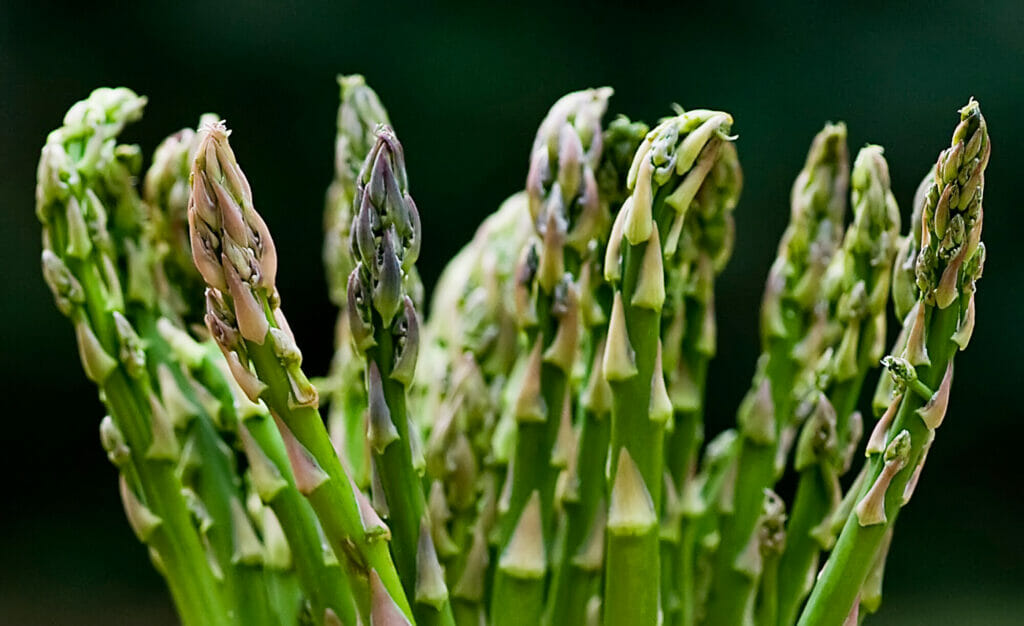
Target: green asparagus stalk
[(670, 166), (359, 114), (566, 211), (270, 475), (818, 202), (233, 251), (385, 328), (89, 228), (705, 500), (689, 339), (857, 287), (947, 265), (581, 489)]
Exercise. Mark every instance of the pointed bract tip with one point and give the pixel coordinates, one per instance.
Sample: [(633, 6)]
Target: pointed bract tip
[(524, 556), (631, 511)]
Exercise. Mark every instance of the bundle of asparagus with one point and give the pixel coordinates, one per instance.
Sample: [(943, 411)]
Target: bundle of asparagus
[(544, 462)]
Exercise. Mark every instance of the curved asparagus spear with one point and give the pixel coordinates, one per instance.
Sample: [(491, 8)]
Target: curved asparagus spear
[(234, 253), (949, 262), (288, 527), (90, 225), (792, 294), (857, 287), (567, 214), (689, 339), (669, 168)]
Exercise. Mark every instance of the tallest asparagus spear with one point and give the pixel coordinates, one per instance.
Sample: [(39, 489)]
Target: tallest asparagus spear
[(948, 264), (359, 114)]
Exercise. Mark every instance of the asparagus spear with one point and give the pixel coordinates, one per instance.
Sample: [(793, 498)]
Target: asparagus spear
[(87, 232), (857, 288), (234, 253), (295, 559), (688, 329), (669, 168), (567, 214), (948, 263), (818, 201), (385, 328)]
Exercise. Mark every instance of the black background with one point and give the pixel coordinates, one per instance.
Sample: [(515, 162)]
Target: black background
[(466, 85)]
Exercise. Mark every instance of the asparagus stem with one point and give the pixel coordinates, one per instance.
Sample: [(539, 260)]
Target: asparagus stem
[(234, 253), (791, 295), (232, 539), (949, 261), (688, 327), (321, 581)]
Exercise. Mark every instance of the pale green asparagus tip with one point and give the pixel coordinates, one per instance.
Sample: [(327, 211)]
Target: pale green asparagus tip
[(562, 182), (952, 254), (716, 231), (817, 206), (872, 236), (92, 125), (166, 191), (359, 114), (858, 278)]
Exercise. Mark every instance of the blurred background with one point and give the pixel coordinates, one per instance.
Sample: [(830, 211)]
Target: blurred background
[(466, 88)]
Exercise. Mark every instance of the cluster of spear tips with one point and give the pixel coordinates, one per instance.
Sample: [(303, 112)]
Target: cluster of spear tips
[(532, 451)]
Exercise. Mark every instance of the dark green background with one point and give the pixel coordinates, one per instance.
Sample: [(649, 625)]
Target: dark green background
[(466, 87)]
